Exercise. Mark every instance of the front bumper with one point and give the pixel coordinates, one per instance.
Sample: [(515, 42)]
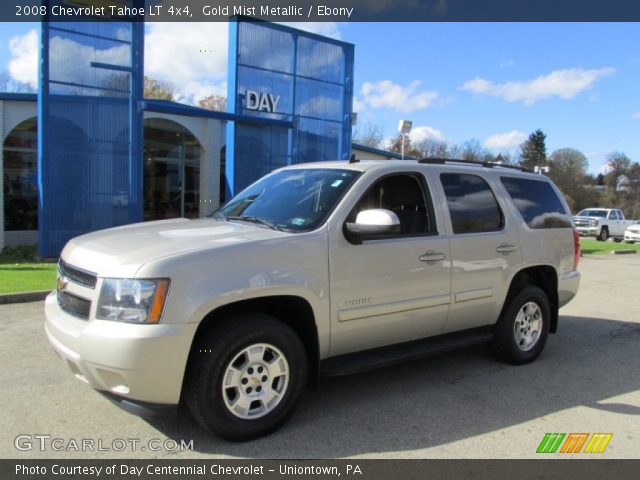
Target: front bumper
[(631, 236), (588, 231), (143, 363)]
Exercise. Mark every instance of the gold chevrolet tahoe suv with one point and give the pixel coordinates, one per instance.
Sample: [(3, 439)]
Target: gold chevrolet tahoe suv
[(318, 269)]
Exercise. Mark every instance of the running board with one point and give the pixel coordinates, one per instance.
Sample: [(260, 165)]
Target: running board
[(386, 356)]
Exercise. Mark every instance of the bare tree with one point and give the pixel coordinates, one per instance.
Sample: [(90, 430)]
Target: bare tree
[(4, 82), (7, 84), (472, 150), (369, 135), (432, 149)]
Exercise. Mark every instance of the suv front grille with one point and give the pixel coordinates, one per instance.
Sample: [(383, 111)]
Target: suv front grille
[(76, 275), (74, 305)]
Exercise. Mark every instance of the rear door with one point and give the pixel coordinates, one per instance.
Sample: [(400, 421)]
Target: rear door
[(485, 251)]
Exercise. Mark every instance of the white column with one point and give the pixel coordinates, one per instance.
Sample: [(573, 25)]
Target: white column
[(2, 170), (210, 168)]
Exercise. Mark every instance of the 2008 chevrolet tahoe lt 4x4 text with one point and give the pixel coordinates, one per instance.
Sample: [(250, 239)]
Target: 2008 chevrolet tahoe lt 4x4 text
[(324, 268)]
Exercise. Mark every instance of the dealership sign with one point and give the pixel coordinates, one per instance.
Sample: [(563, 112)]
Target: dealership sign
[(261, 102)]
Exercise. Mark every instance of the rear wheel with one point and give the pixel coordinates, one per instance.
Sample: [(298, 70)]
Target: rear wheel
[(604, 234), (523, 328), (246, 377)]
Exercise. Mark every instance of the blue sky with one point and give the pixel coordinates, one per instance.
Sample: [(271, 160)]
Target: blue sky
[(495, 83)]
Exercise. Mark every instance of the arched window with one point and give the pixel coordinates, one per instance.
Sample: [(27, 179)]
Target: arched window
[(20, 177)]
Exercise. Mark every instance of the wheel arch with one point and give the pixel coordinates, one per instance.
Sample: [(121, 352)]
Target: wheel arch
[(546, 278), (294, 311)]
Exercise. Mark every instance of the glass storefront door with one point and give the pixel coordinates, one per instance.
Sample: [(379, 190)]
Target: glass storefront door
[(171, 171)]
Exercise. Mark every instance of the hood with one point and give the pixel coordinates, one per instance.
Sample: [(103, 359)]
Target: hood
[(121, 251), (635, 227)]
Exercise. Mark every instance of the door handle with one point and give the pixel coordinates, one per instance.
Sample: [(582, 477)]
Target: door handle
[(505, 248), (431, 256)]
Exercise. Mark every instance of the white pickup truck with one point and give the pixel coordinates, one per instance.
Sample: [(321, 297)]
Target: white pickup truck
[(602, 223)]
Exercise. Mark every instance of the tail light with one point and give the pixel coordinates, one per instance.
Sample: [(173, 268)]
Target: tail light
[(576, 245)]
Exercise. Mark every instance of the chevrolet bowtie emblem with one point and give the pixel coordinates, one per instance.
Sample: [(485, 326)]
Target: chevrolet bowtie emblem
[(62, 283)]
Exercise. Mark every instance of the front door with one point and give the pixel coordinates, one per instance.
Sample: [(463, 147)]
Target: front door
[(394, 288)]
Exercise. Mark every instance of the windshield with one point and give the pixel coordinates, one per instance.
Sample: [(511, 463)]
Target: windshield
[(291, 200), (593, 213)]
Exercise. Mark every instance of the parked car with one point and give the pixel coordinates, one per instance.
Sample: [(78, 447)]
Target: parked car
[(632, 233), (327, 268), (602, 223)]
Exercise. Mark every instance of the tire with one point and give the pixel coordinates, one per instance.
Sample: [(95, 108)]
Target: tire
[(523, 327), (604, 234), (245, 377)]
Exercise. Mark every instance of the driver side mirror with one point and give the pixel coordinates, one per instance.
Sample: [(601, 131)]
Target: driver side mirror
[(372, 223)]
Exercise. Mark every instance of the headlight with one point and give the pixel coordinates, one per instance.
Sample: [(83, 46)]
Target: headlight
[(133, 301)]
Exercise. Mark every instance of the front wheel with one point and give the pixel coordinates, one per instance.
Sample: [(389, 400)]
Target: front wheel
[(246, 377), (523, 327)]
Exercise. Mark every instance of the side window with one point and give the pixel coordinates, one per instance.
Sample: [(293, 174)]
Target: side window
[(406, 196), (537, 202), (613, 215), (472, 205)]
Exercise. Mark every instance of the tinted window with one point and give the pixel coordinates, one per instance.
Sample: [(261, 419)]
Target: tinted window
[(404, 195), (472, 205), (537, 202)]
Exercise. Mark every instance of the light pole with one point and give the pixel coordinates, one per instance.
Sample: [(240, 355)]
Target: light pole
[(404, 127)]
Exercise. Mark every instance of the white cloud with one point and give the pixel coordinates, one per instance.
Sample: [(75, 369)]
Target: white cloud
[(508, 63), (635, 116), (505, 141), (191, 56), (565, 84), (23, 66), (396, 97), (419, 134), (358, 106)]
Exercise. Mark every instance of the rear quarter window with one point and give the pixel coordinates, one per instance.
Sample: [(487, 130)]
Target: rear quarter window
[(537, 202)]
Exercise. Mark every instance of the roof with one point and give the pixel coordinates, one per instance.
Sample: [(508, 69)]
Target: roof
[(19, 97)]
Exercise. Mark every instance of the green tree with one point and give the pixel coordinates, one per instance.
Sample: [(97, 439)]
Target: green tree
[(533, 151), (155, 89)]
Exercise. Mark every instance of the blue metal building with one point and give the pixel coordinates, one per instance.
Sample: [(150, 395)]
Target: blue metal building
[(101, 164)]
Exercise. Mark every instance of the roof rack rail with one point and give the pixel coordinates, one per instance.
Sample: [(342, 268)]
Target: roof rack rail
[(442, 161)]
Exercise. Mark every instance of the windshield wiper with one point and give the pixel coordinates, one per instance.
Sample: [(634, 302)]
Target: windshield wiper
[(259, 221), (217, 215)]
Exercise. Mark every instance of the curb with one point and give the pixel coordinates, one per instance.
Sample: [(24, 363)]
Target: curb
[(623, 252), (23, 297)]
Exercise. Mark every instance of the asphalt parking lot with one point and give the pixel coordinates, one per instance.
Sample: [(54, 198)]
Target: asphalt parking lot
[(458, 405)]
